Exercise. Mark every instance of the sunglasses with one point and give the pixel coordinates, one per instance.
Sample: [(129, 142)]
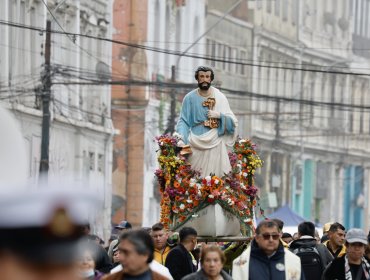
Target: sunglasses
[(267, 236)]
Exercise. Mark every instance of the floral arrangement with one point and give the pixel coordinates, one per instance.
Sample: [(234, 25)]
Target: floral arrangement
[(185, 192)]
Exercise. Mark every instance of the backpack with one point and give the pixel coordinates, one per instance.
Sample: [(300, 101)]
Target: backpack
[(311, 262)]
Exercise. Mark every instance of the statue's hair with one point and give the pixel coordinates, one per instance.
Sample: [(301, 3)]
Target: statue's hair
[(204, 69)]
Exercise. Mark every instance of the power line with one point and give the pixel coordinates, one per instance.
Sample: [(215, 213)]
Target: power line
[(57, 22), (179, 53), (336, 105)]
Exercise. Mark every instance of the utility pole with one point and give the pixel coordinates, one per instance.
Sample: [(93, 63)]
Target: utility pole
[(45, 132)]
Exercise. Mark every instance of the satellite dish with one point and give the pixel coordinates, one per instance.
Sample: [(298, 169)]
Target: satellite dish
[(103, 71)]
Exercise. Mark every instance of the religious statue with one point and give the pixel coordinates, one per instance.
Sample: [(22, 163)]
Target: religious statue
[(208, 126)]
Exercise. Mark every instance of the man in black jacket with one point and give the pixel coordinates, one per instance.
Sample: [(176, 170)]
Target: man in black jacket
[(314, 257), (180, 262)]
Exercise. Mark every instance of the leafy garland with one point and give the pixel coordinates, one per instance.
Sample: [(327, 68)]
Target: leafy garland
[(185, 192)]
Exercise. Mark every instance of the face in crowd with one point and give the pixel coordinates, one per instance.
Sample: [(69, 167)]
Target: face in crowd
[(355, 251), (135, 251), (86, 265), (268, 238), (160, 238), (212, 261), (337, 237)]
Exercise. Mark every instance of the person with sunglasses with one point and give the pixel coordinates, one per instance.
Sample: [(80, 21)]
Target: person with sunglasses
[(266, 257)]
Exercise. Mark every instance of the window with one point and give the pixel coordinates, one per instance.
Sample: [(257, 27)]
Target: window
[(227, 52), (92, 161), (243, 57), (211, 45), (268, 5), (234, 57), (101, 163), (259, 4), (277, 8), (178, 30), (285, 10), (219, 55), (294, 12)]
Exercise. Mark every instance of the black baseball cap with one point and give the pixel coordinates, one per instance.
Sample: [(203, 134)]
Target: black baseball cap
[(123, 225)]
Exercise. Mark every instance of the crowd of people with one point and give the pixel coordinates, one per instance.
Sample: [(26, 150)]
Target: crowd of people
[(155, 253), (68, 250)]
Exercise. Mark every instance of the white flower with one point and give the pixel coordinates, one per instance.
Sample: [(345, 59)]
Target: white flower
[(242, 141), (216, 181), (187, 193), (199, 193), (199, 186), (192, 181), (247, 220), (195, 215), (208, 178), (242, 186), (182, 206), (245, 159), (230, 202), (245, 174), (227, 187), (211, 196), (189, 201)]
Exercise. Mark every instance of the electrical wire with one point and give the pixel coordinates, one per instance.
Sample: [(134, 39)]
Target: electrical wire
[(179, 53)]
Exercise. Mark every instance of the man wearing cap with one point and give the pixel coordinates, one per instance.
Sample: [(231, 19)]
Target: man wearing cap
[(121, 227), (39, 227), (39, 234), (325, 232), (352, 265)]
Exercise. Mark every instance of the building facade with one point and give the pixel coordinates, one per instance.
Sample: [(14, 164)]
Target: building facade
[(81, 129), (312, 135), (229, 40)]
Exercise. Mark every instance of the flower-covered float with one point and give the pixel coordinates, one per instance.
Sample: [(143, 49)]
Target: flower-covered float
[(203, 202)]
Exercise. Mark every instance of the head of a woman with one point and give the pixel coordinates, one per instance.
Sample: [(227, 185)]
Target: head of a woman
[(86, 264), (212, 260)]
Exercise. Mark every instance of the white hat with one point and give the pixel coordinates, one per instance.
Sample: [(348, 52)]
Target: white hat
[(43, 225), (356, 235)]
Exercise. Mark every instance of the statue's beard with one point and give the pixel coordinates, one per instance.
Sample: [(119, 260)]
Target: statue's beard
[(204, 86)]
